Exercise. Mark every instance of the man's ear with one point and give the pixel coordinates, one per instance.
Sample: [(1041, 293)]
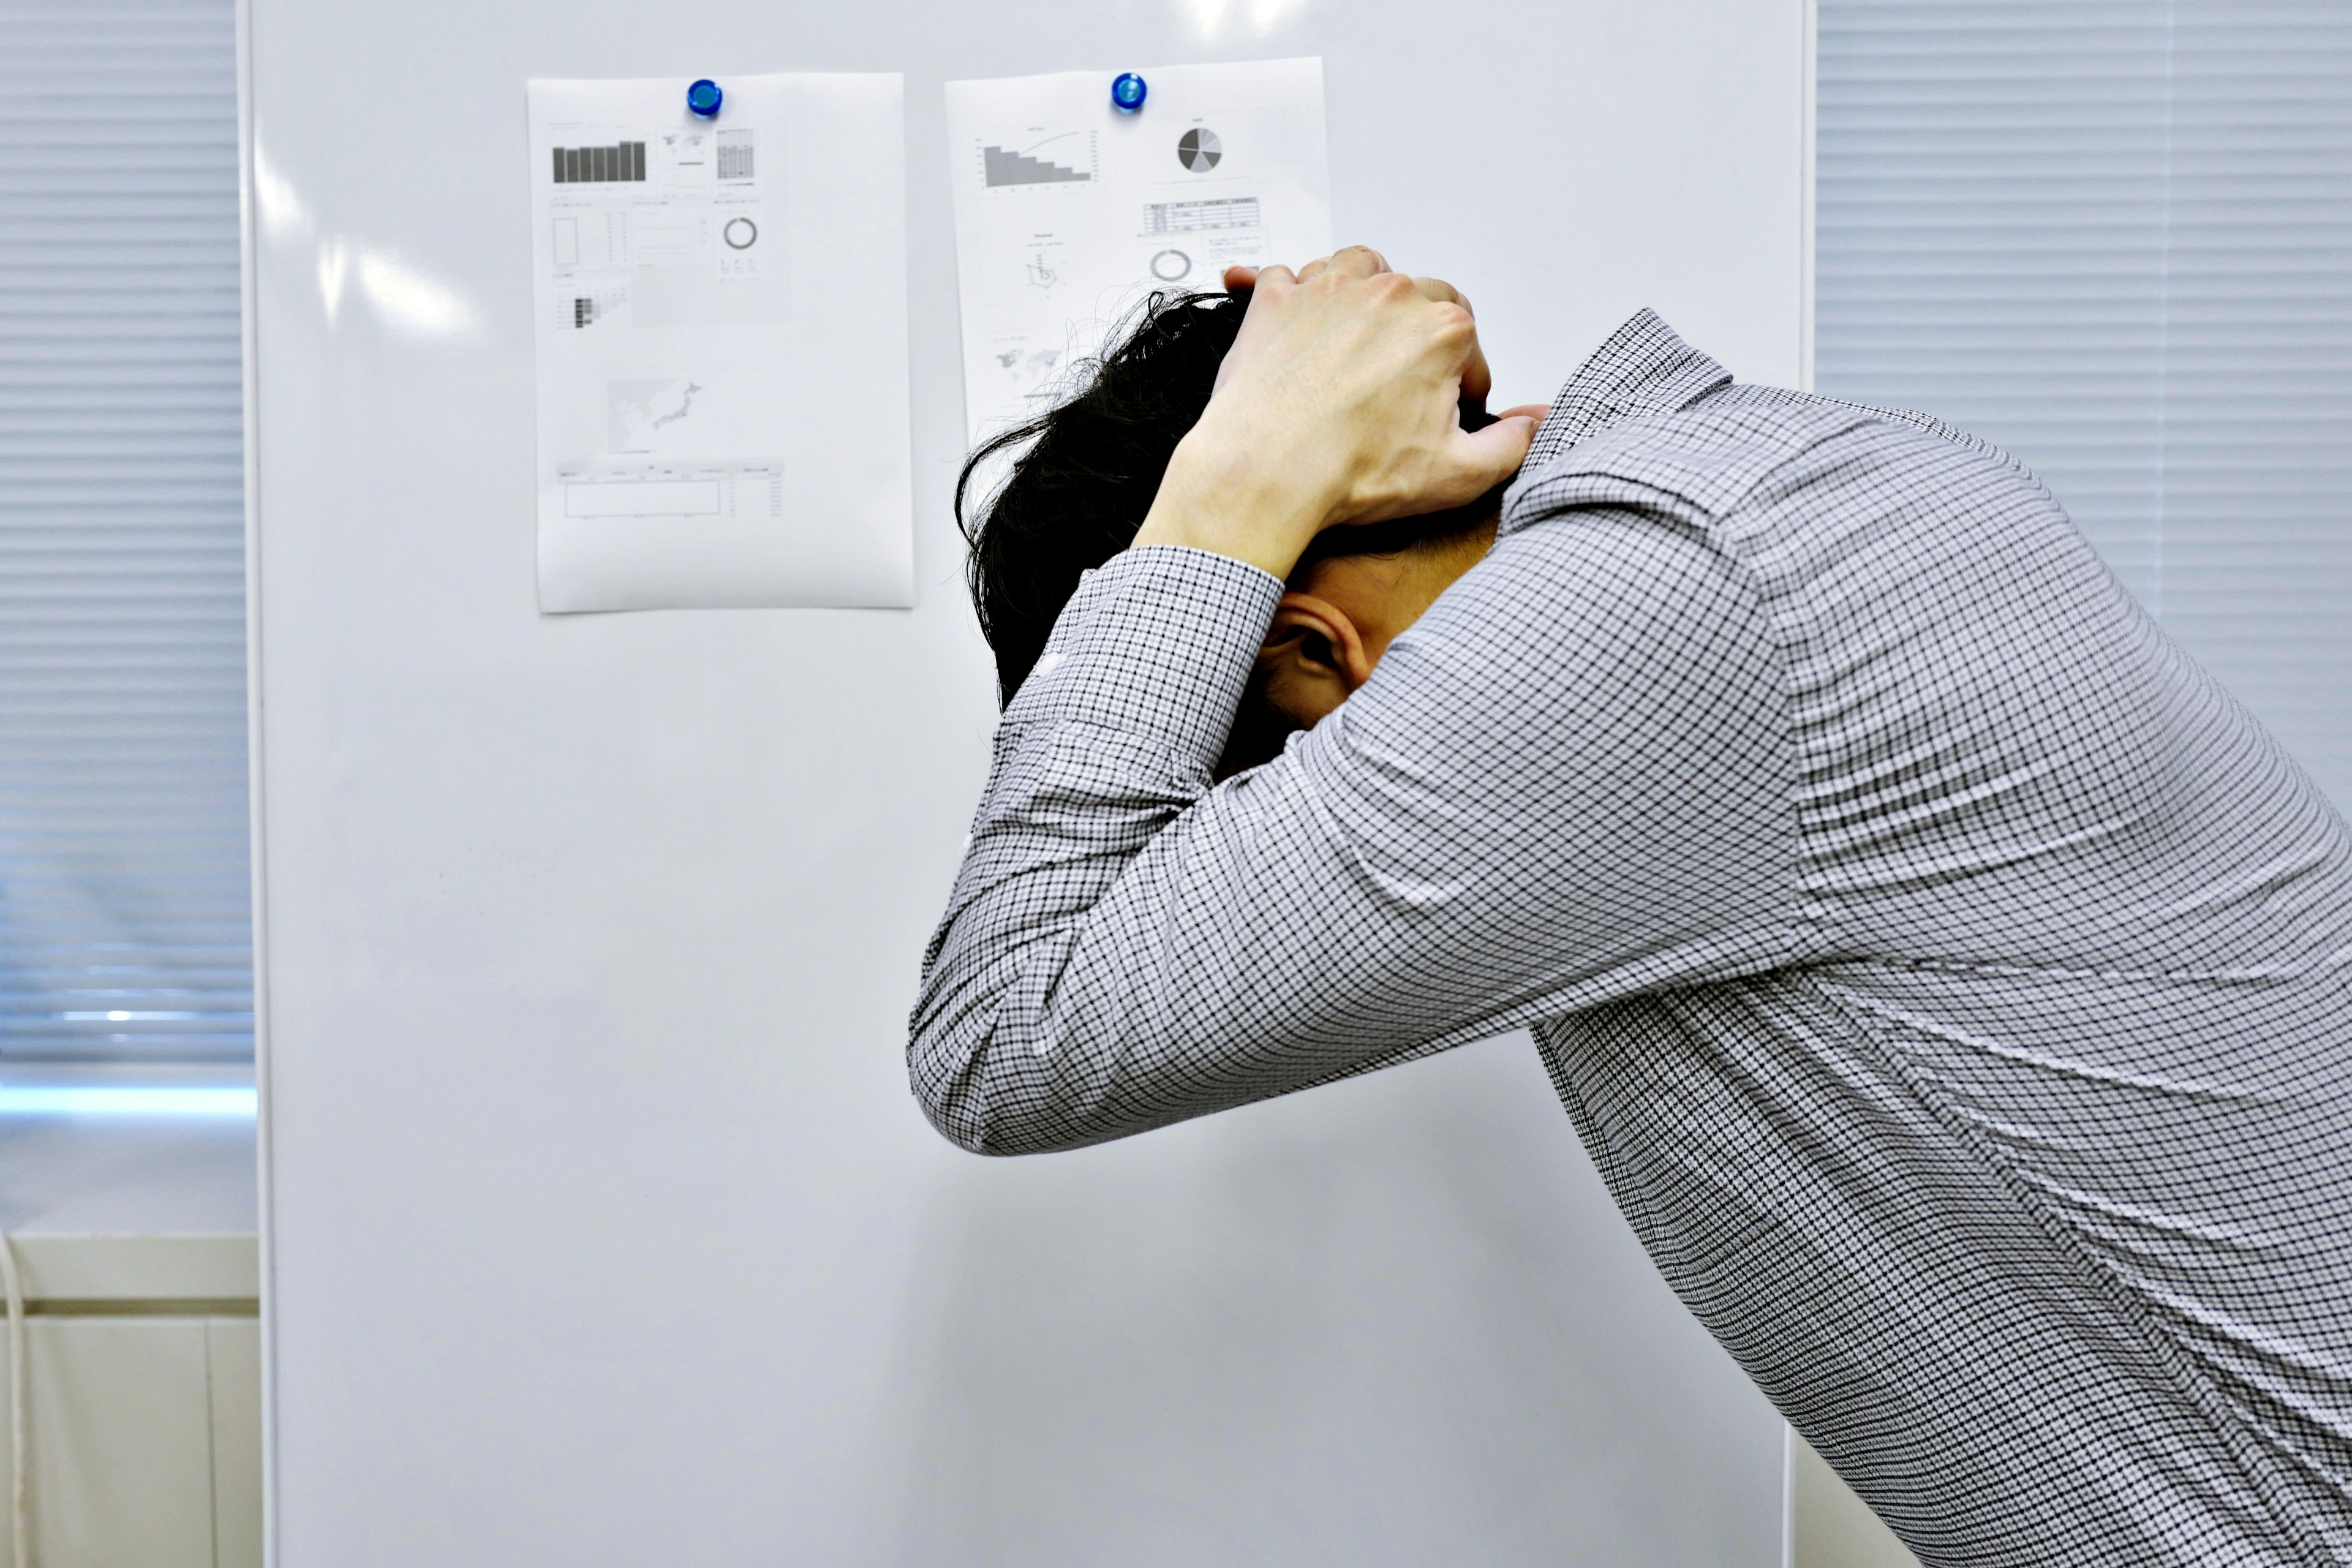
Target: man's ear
[(1314, 634), (1313, 656)]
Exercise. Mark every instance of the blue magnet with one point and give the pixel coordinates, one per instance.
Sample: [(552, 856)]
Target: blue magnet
[(704, 98), (1127, 92)]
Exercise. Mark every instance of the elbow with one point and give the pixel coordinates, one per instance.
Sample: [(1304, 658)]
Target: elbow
[(947, 1070), (980, 1107), (954, 1085), (968, 1120), (955, 1117), (982, 1135), (996, 1079), (973, 1138)]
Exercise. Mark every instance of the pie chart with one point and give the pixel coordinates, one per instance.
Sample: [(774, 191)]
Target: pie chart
[(1199, 150)]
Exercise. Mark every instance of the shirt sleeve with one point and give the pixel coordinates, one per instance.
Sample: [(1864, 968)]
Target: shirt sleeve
[(1571, 780)]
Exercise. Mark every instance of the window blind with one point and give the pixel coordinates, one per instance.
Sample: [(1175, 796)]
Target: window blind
[(2115, 236), (124, 891)]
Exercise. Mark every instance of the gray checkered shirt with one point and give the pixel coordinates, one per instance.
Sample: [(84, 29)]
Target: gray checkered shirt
[(1952, 983)]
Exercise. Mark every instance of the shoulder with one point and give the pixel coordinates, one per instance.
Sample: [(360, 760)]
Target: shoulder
[(1711, 457), (1584, 622)]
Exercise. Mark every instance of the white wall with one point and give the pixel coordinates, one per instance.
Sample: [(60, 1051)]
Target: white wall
[(602, 1227)]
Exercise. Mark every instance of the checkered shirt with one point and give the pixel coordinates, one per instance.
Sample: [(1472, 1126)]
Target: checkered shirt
[(1951, 982)]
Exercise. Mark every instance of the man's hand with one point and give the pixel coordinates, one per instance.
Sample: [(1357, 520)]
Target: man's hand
[(1337, 403)]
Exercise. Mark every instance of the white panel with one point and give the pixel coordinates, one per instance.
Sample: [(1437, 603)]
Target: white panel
[(603, 1228), (138, 1268), (121, 1442), (233, 1351), (123, 872)]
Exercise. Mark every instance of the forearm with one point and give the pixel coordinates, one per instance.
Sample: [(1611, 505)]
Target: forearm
[(1567, 784), (1113, 737)]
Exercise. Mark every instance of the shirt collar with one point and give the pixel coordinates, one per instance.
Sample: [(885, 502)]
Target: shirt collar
[(1643, 368)]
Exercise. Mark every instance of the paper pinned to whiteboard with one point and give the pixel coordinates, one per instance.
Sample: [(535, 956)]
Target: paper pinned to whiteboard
[(1069, 213), (721, 344)]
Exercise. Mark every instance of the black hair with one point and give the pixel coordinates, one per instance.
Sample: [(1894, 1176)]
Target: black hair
[(1093, 464)]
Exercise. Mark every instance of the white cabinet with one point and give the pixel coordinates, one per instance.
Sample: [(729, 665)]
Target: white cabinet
[(233, 1355), (143, 1362)]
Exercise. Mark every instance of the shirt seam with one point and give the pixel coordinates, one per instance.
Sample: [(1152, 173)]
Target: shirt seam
[(2061, 971), (1808, 928)]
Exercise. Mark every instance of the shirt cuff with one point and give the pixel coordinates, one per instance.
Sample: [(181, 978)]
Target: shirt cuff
[(1159, 641)]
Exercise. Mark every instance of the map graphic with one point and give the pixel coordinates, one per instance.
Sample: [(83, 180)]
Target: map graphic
[(643, 411)]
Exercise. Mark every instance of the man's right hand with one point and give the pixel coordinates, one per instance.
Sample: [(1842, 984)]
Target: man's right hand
[(1337, 403)]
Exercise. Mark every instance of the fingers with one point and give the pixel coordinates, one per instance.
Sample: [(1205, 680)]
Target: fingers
[(1356, 261), (1485, 459), (1392, 351), (1468, 467), (1360, 261), (1445, 293), (1475, 380)]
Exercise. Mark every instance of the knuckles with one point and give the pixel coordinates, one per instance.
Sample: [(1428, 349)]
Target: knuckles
[(1455, 321)]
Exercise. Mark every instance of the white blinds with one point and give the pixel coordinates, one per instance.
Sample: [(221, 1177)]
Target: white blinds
[(123, 874), (2115, 236)]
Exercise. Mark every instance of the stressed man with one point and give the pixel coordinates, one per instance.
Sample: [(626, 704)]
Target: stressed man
[(1953, 985)]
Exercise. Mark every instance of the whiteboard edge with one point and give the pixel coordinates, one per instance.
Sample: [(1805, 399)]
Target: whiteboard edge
[(257, 816)]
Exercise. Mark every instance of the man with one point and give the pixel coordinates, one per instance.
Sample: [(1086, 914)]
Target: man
[(1949, 980)]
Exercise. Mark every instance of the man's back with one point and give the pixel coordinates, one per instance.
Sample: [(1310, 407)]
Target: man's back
[(2065, 1042), (1948, 980)]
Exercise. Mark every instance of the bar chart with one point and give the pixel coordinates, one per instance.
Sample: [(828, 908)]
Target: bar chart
[(1004, 166), (623, 160)]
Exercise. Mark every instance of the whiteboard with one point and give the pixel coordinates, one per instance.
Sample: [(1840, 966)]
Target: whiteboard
[(600, 1226)]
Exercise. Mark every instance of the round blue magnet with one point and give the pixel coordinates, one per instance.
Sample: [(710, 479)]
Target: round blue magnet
[(1127, 92), (704, 98)]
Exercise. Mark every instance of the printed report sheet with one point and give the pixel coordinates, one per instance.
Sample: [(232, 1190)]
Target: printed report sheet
[(722, 343), (1069, 213)]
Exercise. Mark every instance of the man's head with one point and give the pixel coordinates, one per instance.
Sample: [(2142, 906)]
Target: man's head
[(1085, 476)]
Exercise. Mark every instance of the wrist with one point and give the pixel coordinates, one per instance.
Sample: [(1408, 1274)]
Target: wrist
[(1214, 498)]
